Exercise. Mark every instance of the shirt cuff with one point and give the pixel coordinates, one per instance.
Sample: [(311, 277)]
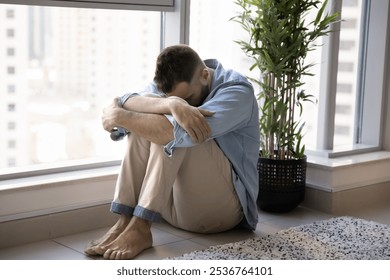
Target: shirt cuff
[(179, 137)]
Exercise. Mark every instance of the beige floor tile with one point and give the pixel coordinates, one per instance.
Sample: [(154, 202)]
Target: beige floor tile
[(223, 237), (170, 250), (78, 242), (378, 213), (297, 217), (44, 250)]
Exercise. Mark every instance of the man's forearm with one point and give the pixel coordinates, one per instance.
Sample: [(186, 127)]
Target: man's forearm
[(154, 127), (146, 118), (148, 104)]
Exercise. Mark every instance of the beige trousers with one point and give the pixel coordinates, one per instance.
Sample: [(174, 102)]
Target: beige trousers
[(191, 190)]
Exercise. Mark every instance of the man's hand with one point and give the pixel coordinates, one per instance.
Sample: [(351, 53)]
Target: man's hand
[(191, 119), (111, 115)]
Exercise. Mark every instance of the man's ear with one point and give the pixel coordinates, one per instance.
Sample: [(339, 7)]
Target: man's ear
[(204, 76)]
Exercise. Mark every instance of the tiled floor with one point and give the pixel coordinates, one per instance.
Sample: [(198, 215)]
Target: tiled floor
[(169, 241)]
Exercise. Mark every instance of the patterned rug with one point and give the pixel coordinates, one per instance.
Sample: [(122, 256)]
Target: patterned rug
[(341, 238)]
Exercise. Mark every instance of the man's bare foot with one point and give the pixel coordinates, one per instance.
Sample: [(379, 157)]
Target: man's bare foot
[(110, 236), (136, 238)]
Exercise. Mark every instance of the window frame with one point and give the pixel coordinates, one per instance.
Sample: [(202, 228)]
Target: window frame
[(147, 5)]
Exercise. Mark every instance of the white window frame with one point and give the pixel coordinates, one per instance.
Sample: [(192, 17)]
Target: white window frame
[(147, 5)]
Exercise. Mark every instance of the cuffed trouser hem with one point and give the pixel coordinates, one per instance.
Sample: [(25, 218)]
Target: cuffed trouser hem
[(139, 212), (122, 209), (146, 214)]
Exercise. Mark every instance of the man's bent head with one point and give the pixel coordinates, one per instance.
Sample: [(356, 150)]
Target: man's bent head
[(176, 64)]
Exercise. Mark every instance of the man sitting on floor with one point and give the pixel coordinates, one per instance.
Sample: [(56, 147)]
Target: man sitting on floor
[(192, 153)]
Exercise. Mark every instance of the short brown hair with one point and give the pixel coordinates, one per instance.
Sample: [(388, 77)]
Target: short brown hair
[(175, 64)]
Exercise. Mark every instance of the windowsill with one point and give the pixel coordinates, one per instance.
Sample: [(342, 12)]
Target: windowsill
[(348, 172), (348, 161), (67, 177), (47, 194)]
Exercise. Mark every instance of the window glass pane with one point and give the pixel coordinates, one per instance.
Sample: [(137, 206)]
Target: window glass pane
[(212, 34), (65, 66), (346, 81), (347, 77)]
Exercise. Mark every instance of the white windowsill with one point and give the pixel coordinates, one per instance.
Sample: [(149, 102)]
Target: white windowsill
[(348, 161), (69, 177), (47, 194), (53, 193), (348, 172)]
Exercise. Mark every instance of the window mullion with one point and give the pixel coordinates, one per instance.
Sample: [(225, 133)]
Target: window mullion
[(365, 14), (175, 24), (375, 74), (328, 84)]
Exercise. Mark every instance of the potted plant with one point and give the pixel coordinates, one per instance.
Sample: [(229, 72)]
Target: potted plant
[(280, 39)]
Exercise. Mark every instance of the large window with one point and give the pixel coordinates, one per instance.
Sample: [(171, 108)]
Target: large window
[(59, 67)]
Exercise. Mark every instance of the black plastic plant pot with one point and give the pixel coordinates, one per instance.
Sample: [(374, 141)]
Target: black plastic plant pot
[(282, 184)]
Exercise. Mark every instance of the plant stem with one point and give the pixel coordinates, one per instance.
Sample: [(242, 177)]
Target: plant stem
[(271, 112)]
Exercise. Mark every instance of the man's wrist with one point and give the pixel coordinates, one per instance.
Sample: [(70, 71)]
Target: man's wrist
[(174, 103), (124, 98)]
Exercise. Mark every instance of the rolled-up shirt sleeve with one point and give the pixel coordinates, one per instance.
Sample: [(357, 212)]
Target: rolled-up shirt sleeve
[(228, 103), (181, 138)]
